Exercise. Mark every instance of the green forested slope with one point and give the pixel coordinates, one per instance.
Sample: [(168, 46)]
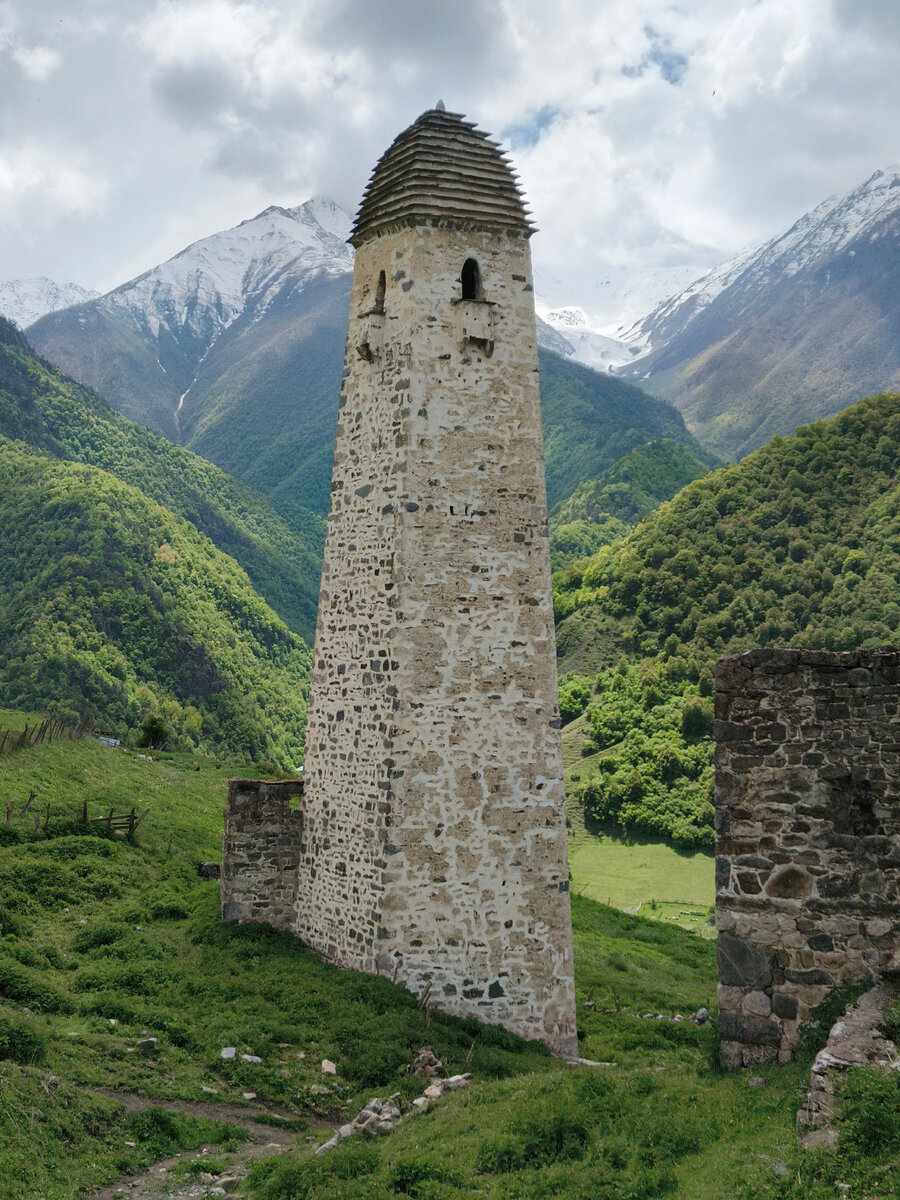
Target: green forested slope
[(45, 409), (591, 420), (600, 510), (799, 544), (112, 607)]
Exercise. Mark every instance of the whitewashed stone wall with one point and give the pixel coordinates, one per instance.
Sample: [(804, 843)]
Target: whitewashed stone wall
[(434, 846)]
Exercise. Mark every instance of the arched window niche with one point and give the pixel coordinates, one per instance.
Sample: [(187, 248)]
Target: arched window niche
[(470, 280), (371, 331), (474, 317), (380, 289)]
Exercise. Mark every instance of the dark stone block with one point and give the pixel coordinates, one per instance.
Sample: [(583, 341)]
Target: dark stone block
[(808, 977), (748, 881), (723, 874), (785, 1006), (757, 1031), (790, 883), (742, 964), (821, 941)]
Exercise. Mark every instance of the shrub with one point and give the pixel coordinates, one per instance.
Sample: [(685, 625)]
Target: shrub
[(21, 1044), (561, 1138)]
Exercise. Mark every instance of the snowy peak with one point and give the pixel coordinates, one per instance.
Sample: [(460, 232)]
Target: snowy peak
[(212, 282), (26, 300), (587, 344), (818, 235)]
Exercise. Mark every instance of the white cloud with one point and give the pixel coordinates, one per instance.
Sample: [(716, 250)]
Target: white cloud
[(37, 62), (37, 184), (647, 132)]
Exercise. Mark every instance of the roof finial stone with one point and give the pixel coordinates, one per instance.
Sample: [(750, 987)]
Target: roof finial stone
[(440, 106)]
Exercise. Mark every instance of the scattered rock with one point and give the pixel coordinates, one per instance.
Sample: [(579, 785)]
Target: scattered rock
[(701, 1016), (328, 1067), (251, 1058), (856, 1040), (427, 1063), (421, 1104), (756, 1082), (228, 1053), (318, 1090), (249, 1095), (456, 1082), (147, 1045), (781, 1170), (329, 1145)]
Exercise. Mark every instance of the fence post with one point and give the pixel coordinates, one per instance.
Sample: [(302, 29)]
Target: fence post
[(9, 813), (37, 822), (84, 811)]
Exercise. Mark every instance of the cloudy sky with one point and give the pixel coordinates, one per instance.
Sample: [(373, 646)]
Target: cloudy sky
[(648, 133)]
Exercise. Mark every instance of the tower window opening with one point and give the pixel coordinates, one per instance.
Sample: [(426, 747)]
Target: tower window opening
[(378, 306), (470, 278)]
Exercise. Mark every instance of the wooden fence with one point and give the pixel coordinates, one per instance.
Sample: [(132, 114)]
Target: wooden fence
[(124, 824), (47, 730)]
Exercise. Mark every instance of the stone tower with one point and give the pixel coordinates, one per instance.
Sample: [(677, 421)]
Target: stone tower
[(434, 845)]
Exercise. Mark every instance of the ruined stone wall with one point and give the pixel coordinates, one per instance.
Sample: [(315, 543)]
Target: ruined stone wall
[(434, 838), (808, 837), (261, 852)]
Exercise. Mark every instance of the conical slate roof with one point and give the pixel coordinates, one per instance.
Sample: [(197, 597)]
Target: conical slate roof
[(442, 166)]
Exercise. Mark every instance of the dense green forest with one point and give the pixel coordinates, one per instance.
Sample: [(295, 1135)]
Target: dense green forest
[(282, 556), (592, 420), (799, 544), (601, 510), (114, 608)]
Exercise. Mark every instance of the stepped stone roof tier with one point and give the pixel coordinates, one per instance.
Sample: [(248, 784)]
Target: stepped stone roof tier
[(442, 168)]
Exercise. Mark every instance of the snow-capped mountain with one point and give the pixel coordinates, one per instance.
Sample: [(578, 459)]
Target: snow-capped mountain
[(786, 332), (820, 233), (26, 300), (159, 346), (214, 281), (585, 344)]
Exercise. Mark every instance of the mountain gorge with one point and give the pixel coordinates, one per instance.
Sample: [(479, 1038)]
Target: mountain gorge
[(794, 330)]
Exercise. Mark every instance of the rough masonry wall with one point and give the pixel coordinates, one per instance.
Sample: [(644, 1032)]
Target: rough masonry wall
[(808, 837), (434, 833), (261, 851)]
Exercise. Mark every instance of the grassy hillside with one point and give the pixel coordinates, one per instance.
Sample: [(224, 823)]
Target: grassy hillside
[(797, 545), (104, 943), (44, 409), (112, 607)]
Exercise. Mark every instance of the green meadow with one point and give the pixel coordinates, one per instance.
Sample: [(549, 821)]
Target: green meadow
[(105, 942)]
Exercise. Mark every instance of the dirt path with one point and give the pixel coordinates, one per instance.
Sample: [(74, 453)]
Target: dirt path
[(162, 1181)]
